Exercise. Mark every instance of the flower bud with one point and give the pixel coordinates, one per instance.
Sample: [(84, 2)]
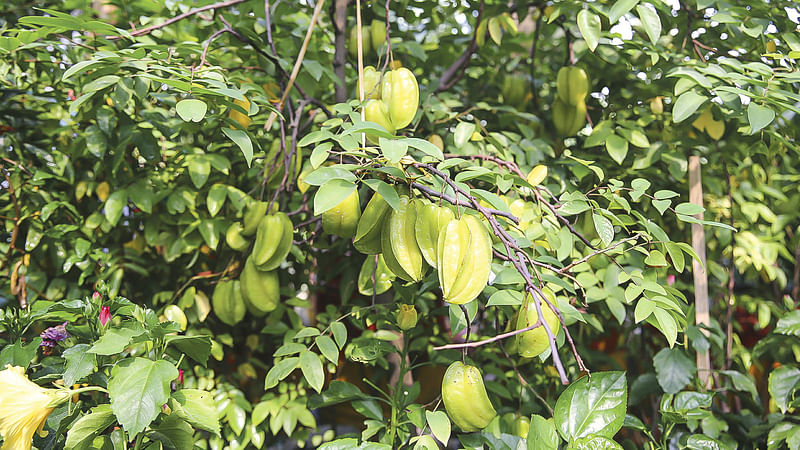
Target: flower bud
[(105, 315), (406, 317)]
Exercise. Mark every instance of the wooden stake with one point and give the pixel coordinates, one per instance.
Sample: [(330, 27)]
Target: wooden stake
[(701, 303)]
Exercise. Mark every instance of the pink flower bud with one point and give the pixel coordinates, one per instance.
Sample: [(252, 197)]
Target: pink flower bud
[(105, 315), (180, 376), (96, 296), (670, 280)]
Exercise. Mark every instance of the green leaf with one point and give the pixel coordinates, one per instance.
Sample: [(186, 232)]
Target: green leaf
[(241, 139), (592, 406), (667, 325), (604, 228), (80, 363), (312, 370), (655, 259), (542, 434), (386, 190), (742, 382), (644, 307), (690, 209), (199, 169), (595, 443), (650, 21), (425, 147), (619, 9), (331, 194), (505, 297), (84, 430), (191, 110), (393, 149), (320, 154), (216, 198), (789, 324), (115, 340), (328, 348), (676, 255), (440, 425), (325, 174), (783, 382), (674, 369), (617, 148), (339, 331), (759, 117), (196, 407), (173, 433), (138, 387), (686, 104), (78, 67), (590, 26), (281, 370), (337, 392), (19, 355), (196, 347), (662, 205), (464, 131), (114, 204)]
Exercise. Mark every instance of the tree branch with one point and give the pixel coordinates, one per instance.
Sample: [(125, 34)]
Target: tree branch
[(456, 70), (180, 17)]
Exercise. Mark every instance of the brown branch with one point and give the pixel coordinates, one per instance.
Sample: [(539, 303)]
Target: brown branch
[(523, 381), (508, 165), (474, 344), (180, 17), (458, 202), (456, 70), (518, 261), (595, 253)]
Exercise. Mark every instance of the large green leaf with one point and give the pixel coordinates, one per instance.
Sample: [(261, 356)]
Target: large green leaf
[(590, 27), (80, 363), (783, 381), (542, 434), (138, 387), (789, 324), (18, 354), (84, 430), (196, 407), (593, 405), (312, 370), (673, 369)]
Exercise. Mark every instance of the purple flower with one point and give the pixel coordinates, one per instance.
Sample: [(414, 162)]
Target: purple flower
[(52, 335), (105, 315), (56, 334)]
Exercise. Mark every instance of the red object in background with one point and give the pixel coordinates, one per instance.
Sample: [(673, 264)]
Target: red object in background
[(748, 333)]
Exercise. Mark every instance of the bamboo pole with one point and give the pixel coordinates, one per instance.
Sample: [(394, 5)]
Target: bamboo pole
[(702, 316)]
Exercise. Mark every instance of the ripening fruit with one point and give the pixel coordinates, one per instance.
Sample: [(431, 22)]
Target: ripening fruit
[(241, 119), (377, 34), (533, 342), (572, 85), (342, 219), (372, 83)]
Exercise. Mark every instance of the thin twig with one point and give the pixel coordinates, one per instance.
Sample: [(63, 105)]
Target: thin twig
[(179, 17), (297, 64), (456, 70)]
